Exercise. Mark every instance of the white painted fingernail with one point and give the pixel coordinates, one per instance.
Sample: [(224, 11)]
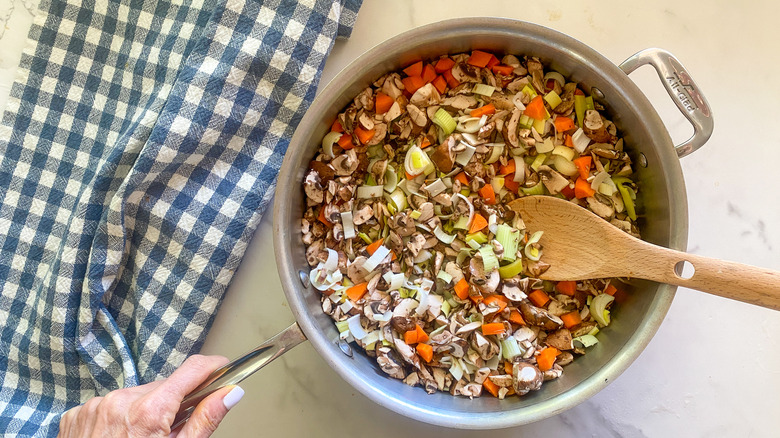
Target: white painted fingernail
[(233, 397)]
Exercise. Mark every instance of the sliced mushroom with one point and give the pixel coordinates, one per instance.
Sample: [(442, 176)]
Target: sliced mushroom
[(324, 170), (601, 205), (378, 171), (345, 164), (393, 113), (390, 362), (554, 181), (463, 72), (594, 127), (567, 99), (365, 100), (501, 101), (560, 339), (459, 102), (313, 188), (535, 68), (512, 289), (538, 316), (405, 308), (362, 215), (510, 128), (526, 377), (486, 282), (380, 132), (402, 224), (484, 347), (402, 324), (391, 86), (417, 115), (553, 373), (425, 96), (443, 156)]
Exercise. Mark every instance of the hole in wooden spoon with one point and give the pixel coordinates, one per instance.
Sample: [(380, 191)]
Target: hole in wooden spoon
[(684, 269)]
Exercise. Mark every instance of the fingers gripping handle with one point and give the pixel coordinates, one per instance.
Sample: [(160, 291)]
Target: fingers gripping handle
[(683, 91)]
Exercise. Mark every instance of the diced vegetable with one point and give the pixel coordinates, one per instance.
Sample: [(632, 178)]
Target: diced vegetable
[(563, 124), (495, 328), (478, 223), (571, 319), (552, 99), (483, 110), (444, 120), (462, 289), (414, 69), (582, 189), (357, 291), (479, 58), (511, 270), (583, 165), (535, 109), (487, 192), (425, 351), (585, 341), (509, 238), (546, 358), (489, 259), (383, 102), (566, 287), (485, 90), (539, 298), (598, 308), (443, 64)]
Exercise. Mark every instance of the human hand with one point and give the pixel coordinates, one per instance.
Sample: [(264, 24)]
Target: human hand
[(148, 410)]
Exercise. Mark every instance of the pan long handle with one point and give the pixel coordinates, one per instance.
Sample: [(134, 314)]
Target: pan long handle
[(239, 369), (683, 91)]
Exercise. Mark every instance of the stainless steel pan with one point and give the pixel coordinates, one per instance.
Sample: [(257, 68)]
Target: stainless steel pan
[(664, 220)]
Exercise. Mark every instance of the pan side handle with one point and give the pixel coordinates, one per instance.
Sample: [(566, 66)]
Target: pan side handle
[(683, 91), (239, 369)]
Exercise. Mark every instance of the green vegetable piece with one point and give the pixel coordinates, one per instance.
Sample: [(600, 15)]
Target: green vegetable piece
[(511, 270)]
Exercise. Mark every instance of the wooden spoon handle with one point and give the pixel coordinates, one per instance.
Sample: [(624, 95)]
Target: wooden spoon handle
[(749, 284)]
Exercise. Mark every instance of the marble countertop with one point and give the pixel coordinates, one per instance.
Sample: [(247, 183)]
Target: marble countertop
[(713, 368)]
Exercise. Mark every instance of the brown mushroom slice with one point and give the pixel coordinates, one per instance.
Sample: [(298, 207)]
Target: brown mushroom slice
[(459, 102), (443, 157), (393, 113), (402, 224), (560, 339), (510, 128), (554, 181), (313, 188), (594, 127), (417, 115), (425, 96), (486, 282), (345, 164), (526, 377), (536, 70), (390, 362), (540, 317), (463, 72), (601, 205)]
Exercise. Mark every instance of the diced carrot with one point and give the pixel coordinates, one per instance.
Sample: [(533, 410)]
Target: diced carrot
[(566, 287), (583, 165), (345, 141), (494, 328), (428, 73), (511, 391), (492, 62), (371, 249), (563, 124), (483, 110), (578, 92), (477, 223), (508, 367), (336, 126), (415, 69), (546, 358), (440, 83), (383, 102), (357, 291), (476, 296), (568, 141), (443, 65), (502, 69), (323, 219), (582, 189), (462, 289), (425, 351), (498, 300), (571, 319), (462, 178), (535, 109), (479, 58), (410, 337), (363, 135), (412, 83), (515, 317), (490, 387), (487, 192), (506, 170), (451, 81), (328, 292), (611, 289), (421, 335), (510, 184), (539, 298), (425, 143)]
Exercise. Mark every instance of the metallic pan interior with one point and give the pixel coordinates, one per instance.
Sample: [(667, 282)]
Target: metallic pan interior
[(664, 221)]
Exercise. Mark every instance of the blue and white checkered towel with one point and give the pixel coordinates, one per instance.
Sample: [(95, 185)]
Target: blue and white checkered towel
[(140, 147)]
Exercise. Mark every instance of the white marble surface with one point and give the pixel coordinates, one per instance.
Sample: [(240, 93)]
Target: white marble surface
[(713, 369)]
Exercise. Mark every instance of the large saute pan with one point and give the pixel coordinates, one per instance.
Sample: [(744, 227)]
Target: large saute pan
[(664, 218)]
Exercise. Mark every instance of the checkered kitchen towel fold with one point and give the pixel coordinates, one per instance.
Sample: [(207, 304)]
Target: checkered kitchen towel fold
[(140, 147)]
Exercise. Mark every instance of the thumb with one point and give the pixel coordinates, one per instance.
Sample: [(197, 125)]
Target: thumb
[(210, 412)]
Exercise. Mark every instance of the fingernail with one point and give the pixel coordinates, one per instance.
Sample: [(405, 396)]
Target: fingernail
[(233, 397)]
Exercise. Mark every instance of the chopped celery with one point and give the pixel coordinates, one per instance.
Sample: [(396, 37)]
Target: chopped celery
[(538, 189), (509, 238), (510, 348), (461, 224), (538, 161), (489, 259), (365, 238), (478, 237), (525, 122), (465, 191), (553, 99), (540, 126), (586, 341), (579, 108), (472, 243), (445, 308), (511, 270), (444, 120), (370, 180), (594, 331), (448, 228), (529, 90), (626, 195), (589, 103), (415, 214), (342, 326), (444, 276)]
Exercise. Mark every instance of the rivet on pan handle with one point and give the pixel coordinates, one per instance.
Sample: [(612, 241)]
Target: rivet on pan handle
[(683, 91), (240, 369)]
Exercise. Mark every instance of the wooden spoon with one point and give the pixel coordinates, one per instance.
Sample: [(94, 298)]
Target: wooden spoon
[(580, 245)]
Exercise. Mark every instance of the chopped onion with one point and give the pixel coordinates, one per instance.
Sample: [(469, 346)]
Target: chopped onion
[(441, 235), (598, 308), (471, 125), (471, 206), (371, 339), (464, 157), (417, 162), (555, 76), (398, 198), (349, 226), (600, 178), (327, 143), (519, 170), (346, 306), (529, 250), (545, 146), (495, 154), (471, 139), (391, 180), (423, 256), (564, 151), (379, 255), (493, 362), (564, 165), (456, 370), (580, 140), (355, 329), (394, 281), (586, 341), (422, 293), (387, 316), (368, 192), (492, 223), (435, 187), (332, 262)]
